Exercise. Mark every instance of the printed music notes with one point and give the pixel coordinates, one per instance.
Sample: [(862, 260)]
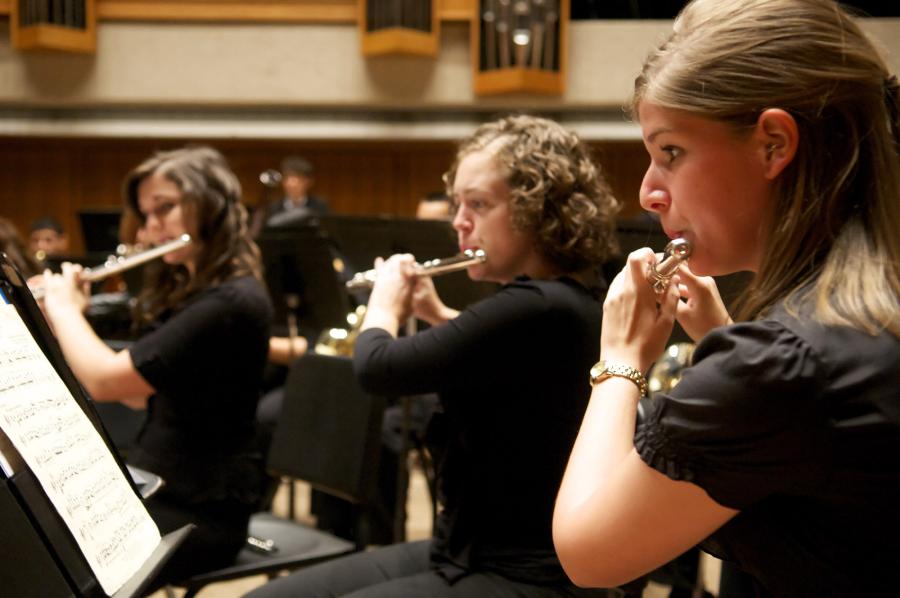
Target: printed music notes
[(56, 440)]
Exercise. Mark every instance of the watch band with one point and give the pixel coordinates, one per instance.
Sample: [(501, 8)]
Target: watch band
[(604, 369)]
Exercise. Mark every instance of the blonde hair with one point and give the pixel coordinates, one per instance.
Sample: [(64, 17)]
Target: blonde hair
[(836, 217), (558, 195)]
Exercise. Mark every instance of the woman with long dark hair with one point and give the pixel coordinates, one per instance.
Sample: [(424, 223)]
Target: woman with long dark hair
[(203, 318)]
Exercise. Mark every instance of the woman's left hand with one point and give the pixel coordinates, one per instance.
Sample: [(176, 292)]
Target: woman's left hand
[(392, 293), (702, 308), (637, 322), (427, 305)]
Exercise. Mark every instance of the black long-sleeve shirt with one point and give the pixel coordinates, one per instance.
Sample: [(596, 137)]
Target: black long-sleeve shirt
[(512, 375)]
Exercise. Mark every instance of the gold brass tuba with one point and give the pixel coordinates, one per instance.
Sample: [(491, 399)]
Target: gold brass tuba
[(340, 341), (666, 372)]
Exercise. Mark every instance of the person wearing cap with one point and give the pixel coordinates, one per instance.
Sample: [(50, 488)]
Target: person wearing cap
[(297, 178)]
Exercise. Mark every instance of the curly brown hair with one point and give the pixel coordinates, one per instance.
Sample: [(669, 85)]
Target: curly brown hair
[(558, 196), (210, 193)]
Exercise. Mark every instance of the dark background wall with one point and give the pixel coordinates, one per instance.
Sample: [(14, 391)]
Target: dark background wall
[(60, 176)]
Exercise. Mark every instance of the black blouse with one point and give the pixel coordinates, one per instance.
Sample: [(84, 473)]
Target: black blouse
[(206, 363), (797, 425), (511, 373)]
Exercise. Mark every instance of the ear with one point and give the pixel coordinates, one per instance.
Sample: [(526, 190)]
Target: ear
[(777, 136)]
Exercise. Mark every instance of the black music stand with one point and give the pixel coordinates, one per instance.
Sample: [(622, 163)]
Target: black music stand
[(299, 263), (100, 229), (48, 561), (90, 260), (363, 238)]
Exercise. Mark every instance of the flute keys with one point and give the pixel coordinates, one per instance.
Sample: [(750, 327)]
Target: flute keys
[(676, 252)]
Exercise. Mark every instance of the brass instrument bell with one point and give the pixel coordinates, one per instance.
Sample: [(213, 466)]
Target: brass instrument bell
[(667, 370), (340, 341)]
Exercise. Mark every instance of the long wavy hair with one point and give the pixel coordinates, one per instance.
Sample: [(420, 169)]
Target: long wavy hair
[(836, 212), (210, 199), (558, 195)]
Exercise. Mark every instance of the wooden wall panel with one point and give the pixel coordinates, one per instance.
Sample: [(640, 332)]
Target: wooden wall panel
[(623, 163), (294, 11), (58, 177)]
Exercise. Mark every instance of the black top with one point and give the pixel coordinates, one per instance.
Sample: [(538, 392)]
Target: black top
[(797, 425), (206, 363), (511, 373)]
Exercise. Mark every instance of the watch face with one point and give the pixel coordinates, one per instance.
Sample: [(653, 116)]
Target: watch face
[(602, 370), (598, 370)]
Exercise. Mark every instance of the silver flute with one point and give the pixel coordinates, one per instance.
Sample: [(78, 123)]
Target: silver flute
[(460, 261), (116, 264), (676, 252)]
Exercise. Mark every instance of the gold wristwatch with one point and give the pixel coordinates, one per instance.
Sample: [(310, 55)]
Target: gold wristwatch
[(604, 369)]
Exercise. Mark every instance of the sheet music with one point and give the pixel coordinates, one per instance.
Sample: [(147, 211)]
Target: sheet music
[(70, 460)]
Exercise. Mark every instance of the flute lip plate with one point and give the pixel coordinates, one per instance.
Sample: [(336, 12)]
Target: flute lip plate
[(679, 247)]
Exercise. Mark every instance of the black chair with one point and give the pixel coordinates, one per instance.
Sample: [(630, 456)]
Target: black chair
[(329, 435)]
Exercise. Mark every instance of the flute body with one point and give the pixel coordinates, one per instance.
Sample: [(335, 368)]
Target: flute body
[(461, 261), (114, 265)]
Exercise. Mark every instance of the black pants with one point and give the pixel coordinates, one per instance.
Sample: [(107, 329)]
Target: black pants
[(399, 571), (221, 531)]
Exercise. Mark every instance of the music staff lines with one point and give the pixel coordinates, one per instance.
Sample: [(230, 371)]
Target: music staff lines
[(48, 428)]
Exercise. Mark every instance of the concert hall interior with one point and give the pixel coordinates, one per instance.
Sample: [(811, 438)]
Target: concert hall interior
[(316, 94)]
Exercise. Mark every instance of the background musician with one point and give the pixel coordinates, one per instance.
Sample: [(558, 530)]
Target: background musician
[(773, 128), (204, 316), (526, 192), (47, 238), (297, 203), (434, 206)]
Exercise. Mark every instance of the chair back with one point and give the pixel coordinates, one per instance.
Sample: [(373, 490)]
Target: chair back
[(329, 432)]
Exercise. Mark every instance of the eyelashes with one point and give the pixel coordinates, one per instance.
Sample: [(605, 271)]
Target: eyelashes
[(671, 153)]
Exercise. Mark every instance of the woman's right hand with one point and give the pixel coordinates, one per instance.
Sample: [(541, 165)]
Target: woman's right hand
[(701, 308)]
